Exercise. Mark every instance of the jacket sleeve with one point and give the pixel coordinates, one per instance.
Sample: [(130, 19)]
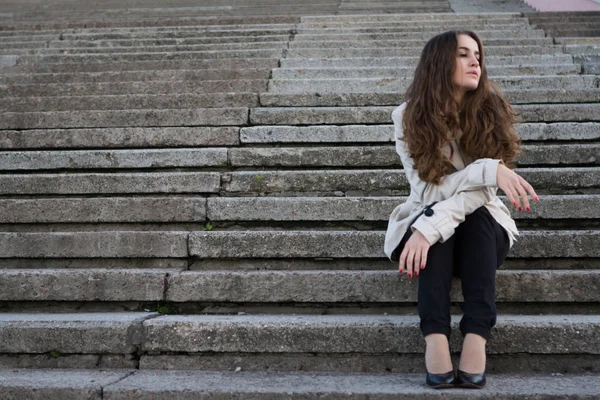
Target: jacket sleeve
[(449, 213), (477, 175)]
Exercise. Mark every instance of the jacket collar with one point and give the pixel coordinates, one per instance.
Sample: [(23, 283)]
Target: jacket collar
[(456, 159)]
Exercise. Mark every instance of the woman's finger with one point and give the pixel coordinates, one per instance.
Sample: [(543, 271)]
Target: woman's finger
[(530, 190), (410, 262), (523, 195), (417, 261), (403, 259), (424, 257)]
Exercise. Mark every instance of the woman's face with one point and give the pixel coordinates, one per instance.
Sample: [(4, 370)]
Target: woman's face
[(467, 70)]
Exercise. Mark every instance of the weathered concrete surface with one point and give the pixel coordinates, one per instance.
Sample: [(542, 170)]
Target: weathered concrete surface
[(372, 208), (91, 333), (113, 183), (381, 115), (514, 96), (120, 137), (411, 61), (128, 102), (486, 34), (402, 72), (383, 156), (364, 363), (369, 181), (400, 84), (71, 361), (369, 286), (359, 333), (124, 88), (153, 65), (82, 285), (96, 159), (104, 209), (385, 133), (369, 244), (93, 244), (159, 385), (65, 384), (406, 43), (124, 118), (139, 76)]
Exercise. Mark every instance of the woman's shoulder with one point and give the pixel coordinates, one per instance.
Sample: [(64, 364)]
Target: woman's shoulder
[(397, 113)]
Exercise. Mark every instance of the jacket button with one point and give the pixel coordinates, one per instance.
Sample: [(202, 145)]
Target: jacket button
[(429, 212)]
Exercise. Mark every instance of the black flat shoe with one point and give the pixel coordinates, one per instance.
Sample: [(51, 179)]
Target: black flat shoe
[(440, 381), (470, 381)]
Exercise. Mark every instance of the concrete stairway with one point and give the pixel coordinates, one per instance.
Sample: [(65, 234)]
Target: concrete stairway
[(212, 199), (579, 32)]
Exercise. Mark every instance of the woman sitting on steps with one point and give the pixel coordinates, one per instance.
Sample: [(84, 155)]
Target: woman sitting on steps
[(455, 137)]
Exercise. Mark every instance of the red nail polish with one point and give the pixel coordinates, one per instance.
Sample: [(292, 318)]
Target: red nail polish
[(519, 209), (423, 266), (537, 199), (409, 275), (528, 209), (514, 203)]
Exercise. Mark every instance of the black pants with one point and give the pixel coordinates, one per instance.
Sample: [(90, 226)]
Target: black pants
[(473, 254)]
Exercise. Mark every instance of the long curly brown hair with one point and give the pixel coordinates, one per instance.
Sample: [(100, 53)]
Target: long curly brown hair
[(433, 117)]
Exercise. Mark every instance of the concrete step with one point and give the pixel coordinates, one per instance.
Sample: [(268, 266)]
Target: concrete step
[(350, 156), (137, 76), (377, 84), (384, 133), (369, 182), (83, 284), (296, 287), (578, 40), (368, 244), (68, 49), (360, 156), (398, 21), (257, 209), (129, 102), (115, 159), (109, 210), (163, 385), (405, 72), (407, 43), (122, 244), (369, 17), (286, 209), (31, 66), (514, 96), (110, 183), (391, 62), (423, 35), (414, 51), (134, 39), (120, 137), (124, 118), (150, 56), (512, 29), (125, 88), (381, 115)]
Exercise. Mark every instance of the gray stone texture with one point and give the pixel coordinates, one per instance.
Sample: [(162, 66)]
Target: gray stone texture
[(373, 208), (111, 183), (358, 333), (369, 286), (97, 159), (120, 137), (124, 118), (80, 333), (60, 384), (369, 244), (82, 285), (103, 209), (93, 244)]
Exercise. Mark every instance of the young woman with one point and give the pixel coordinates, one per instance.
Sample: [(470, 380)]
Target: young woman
[(455, 137)]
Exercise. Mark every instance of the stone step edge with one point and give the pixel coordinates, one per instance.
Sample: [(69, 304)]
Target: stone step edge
[(278, 286), (163, 385)]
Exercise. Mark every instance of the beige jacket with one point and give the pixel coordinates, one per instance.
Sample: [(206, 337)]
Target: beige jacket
[(459, 194)]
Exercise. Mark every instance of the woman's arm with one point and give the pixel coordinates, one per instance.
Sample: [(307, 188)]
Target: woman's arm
[(447, 214), (477, 175)]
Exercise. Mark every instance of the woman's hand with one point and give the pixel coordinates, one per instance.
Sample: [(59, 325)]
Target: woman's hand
[(515, 187), (414, 255)]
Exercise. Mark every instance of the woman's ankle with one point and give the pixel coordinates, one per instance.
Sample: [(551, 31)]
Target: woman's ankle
[(472, 357), (437, 354)]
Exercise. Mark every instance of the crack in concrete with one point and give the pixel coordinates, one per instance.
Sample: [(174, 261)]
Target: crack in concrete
[(114, 383)]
